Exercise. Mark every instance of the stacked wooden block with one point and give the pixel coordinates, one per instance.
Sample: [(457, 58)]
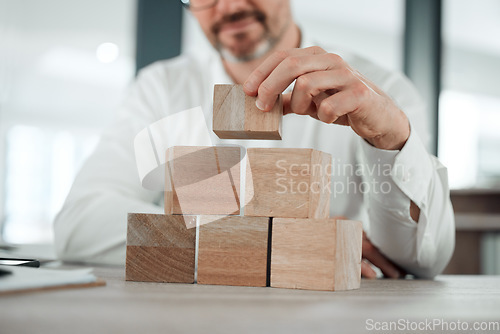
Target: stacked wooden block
[(278, 235), (237, 117)]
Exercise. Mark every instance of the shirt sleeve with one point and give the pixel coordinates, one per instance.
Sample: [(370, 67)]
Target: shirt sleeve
[(92, 224), (394, 179)]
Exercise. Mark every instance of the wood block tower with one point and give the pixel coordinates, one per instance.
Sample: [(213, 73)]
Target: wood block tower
[(284, 237), (237, 117)]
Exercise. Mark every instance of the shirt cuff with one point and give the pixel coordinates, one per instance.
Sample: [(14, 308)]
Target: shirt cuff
[(410, 168)]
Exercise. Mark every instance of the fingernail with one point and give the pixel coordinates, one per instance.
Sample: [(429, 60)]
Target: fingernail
[(259, 104), (249, 86)]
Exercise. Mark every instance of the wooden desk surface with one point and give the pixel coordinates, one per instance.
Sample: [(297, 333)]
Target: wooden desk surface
[(143, 308)]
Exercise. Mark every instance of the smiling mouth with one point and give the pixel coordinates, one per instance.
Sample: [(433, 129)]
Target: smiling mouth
[(238, 21), (237, 26)]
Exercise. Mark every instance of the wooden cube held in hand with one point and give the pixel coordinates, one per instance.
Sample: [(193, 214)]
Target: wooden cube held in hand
[(316, 254), (160, 248), (233, 250), (202, 180), (235, 115), (286, 182)]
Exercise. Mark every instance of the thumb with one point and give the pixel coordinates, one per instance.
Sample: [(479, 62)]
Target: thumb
[(287, 109), (286, 103)]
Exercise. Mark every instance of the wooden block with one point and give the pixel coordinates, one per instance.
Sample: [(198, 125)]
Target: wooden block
[(233, 251), (202, 180), (160, 248), (284, 182), (235, 115), (316, 254)]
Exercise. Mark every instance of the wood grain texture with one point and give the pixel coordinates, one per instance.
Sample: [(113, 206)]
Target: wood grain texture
[(235, 115), (233, 251), (316, 254), (160, 248), (349, 235), (285, 182), (202, 180), (131, 307), (319, 196)]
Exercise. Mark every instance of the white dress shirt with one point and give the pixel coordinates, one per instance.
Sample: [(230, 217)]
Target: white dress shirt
[(368, 184)]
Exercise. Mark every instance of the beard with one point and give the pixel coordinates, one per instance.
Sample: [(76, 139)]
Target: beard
[(265, 45), (248, 48)]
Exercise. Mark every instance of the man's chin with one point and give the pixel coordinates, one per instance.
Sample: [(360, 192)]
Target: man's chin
[(238, 56)]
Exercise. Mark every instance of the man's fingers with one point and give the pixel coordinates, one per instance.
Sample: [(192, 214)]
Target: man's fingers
[(286, 103), (253, 82), (296, 67), (372, 254), (331, 108), (367, 271), (287, 109), (310, 85), (387, 268)]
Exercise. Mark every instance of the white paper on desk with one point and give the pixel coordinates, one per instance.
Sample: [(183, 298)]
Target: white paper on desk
[(24, 278)]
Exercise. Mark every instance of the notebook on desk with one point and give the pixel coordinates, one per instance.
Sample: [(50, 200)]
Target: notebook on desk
[(24, 279)]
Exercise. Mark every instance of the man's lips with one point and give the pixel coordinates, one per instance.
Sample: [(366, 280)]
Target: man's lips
[(237, 26)]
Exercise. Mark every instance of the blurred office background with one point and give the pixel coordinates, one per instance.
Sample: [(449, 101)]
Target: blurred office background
[(66, 65)]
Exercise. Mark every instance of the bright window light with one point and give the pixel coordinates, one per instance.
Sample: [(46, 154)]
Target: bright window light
[(107, 52)]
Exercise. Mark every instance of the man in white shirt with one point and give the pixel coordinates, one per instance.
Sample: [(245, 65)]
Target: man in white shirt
[(401, 194)]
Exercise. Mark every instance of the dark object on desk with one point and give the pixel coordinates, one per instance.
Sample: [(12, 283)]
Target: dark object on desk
[(4, 246), (5, 261), (4, 272)]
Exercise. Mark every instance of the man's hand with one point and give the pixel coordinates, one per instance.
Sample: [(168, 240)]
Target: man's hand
[(328, 89), (373, 255)]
